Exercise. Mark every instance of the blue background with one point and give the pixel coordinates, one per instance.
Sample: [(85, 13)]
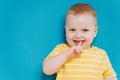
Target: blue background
[(30, 29)]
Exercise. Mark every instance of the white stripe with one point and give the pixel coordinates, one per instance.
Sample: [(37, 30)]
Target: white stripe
[(107, 66), (100, 52), (83, 76), (82, 65), (92, 55), (78, 70), (105, 62), (93, 60)]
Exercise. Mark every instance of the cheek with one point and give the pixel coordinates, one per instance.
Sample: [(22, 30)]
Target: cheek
[(69, 35), (89, 37)]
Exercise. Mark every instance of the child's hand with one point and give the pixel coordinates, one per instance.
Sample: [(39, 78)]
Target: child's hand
[(75, 50)]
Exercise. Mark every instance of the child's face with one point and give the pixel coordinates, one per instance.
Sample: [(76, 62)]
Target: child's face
[(80, 29)]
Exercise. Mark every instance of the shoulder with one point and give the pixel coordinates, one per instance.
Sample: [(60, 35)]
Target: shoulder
[(62, 45), (100, 51)]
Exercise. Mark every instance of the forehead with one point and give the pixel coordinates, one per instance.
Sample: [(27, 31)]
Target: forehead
[(80, 20)]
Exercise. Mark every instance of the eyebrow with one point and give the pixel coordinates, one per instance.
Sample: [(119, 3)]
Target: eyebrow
[(69, 27)]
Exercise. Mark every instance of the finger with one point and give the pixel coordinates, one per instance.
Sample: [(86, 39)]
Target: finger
[(80, 43), (80, 47), (75, 51)]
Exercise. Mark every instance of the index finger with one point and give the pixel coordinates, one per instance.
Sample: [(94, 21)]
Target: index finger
[(80, 43)]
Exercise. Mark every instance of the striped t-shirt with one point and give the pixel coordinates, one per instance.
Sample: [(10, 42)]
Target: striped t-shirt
[(91, 64)]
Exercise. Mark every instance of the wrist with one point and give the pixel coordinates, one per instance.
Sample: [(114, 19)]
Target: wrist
[(66, 54)]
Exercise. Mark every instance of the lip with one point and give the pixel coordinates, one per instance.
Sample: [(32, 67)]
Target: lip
[(78, 41)]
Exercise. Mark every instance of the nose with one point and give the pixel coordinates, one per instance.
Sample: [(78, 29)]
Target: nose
[(79, 34)]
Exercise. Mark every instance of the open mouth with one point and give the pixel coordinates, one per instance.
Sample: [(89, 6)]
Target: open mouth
[(79, 42)]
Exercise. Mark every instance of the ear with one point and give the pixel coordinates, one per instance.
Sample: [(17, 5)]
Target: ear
[(96, 30)]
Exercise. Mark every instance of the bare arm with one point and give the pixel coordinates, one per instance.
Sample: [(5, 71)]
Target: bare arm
[(111, 78), (53, 64)]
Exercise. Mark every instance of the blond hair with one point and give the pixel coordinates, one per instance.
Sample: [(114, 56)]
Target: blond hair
[(81, 8)]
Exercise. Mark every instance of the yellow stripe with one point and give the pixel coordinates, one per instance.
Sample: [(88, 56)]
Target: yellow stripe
[(85, 76)]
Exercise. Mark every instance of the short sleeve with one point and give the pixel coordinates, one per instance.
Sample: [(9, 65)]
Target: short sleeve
[(60, 48), (108, 69)]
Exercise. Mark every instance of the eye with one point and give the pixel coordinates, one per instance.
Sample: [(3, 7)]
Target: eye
[(71, 29), (85, 30)]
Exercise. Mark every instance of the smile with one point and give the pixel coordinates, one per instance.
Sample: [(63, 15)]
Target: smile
[(77, 42)]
